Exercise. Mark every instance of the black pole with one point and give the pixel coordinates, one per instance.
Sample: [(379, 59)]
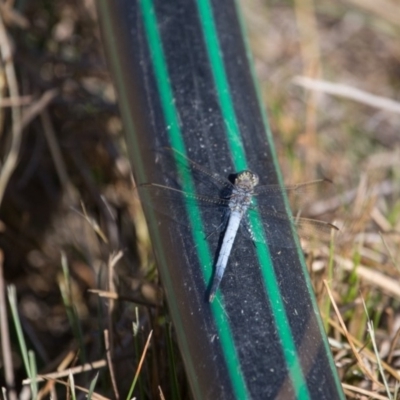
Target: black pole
[(184, 81)]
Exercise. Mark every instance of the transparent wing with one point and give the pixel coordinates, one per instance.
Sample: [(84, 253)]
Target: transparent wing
[(211, 195), (278, 228), (176, 165), (313, 229), (172, 199), (176, 204), (299, 187), (270, 196)]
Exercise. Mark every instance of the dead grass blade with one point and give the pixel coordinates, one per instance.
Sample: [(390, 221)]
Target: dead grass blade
[(371, 331), (12, 156), (110, 364), (371, 395), (95, 396), (140, 365), (75, 370), (366, 352), (348, 92), (356, 353)]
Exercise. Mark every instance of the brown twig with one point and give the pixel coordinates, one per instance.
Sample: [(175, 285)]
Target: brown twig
[(12, 156), (143, 356), (366, 352), (16, 102), (12, 16), (110, 364), (346, 333), (371, 395), (95, 396), (116, 296), (349, 92), (162, 397), (56, 155), (112, 261), (75, 370), (18, 125)]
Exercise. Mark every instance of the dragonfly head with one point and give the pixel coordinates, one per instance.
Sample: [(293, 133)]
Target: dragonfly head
[(246, 180)]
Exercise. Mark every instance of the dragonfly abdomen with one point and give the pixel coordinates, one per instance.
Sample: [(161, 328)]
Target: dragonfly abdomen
[(226, 247)]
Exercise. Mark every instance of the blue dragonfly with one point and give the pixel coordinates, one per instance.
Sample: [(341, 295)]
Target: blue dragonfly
[(226, 206)]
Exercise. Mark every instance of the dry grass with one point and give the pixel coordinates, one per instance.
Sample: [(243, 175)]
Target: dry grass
[(329, 73)]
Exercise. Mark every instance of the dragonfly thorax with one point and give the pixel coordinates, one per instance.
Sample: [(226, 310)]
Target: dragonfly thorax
[(242, 191), (246, 180)]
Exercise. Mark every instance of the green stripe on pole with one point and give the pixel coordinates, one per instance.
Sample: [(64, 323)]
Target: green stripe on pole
[(221, 82), (239, 159), (175, 135), (300, 253)]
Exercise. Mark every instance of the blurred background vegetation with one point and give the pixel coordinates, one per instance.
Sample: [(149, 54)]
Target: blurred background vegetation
[(72, 237)]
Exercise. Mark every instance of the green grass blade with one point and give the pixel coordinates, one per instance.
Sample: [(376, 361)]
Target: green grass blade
[(72, 385), (12, 299), (66, 293), (92, 386), (33, 369)]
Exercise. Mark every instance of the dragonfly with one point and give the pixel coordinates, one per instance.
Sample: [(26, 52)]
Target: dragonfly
[(228, 204)]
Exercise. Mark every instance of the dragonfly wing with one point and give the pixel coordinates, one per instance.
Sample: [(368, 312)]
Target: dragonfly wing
[(176, 204), (271, 196), (186, 186), (178, 169), (279, 229), (298, 187), (314, 230), (247, 231), (276, 228)]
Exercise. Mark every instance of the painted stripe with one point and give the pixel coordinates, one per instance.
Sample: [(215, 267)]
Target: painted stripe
[(239, 159), (221, 82), (176, 140), (150, 27), (275, 160), (126, 113)]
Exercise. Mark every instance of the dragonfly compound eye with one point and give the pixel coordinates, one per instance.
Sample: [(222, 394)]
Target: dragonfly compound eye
[(247, 179)]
